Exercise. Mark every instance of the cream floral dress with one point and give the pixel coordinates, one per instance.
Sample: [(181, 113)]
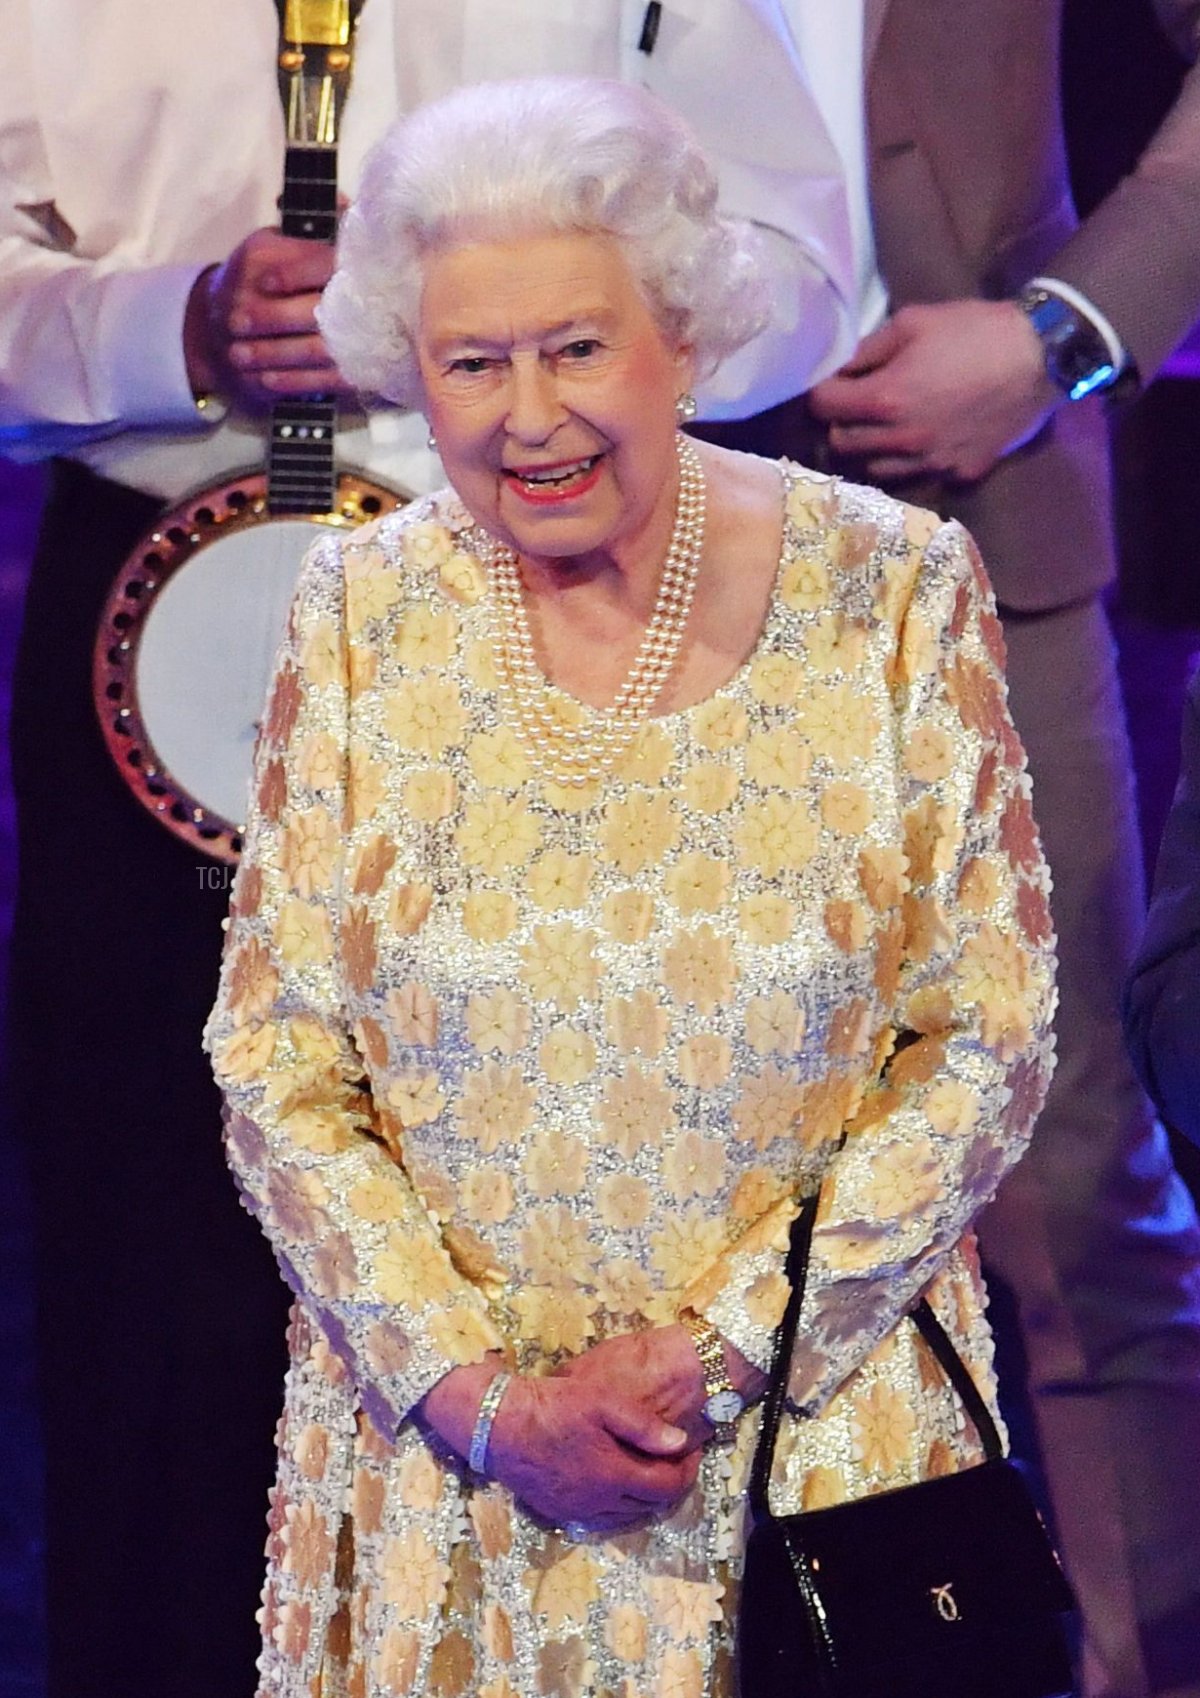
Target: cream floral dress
[(515, 1067)]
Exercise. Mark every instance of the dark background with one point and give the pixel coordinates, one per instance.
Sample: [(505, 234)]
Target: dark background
[(1119, 77)]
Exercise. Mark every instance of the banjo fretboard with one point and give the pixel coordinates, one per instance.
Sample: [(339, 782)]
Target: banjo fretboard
[(314, 67)]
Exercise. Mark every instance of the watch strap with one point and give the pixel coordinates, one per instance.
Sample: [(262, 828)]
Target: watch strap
[(1077, 355), (710, 1347)]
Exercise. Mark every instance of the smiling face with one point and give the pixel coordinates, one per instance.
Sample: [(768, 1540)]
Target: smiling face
[(551, 388)]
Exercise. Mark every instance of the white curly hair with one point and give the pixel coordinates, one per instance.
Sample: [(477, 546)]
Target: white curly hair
[(534, 155)]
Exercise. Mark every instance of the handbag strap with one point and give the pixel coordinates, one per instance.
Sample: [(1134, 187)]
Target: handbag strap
[(927, 1324)]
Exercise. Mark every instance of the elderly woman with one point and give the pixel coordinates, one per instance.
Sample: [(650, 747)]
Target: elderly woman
[(640, 842)]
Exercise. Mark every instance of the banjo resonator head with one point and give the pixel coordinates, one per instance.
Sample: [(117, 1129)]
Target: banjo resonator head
[(186, 646)]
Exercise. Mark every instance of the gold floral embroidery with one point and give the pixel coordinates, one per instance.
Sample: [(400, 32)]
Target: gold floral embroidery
[(623, 1201), (699, 968), (497, 1019), (489, 916), (636, 1110), (709, 787), (767, 918), (409, 908), (774, 1024), (425, 714), (412, 1012), (310, 842), (842, 723), (649, 756), (629, 915), (775, 679), (778, 759), (693, 1166), (416, 1097), (847, 809), (698, 884), (463, 579), (372, 588), (567, 1056), (883, 1427), (776, 834), (425, 636), (413, 1577), (560, 965), (639, 830), (719, 724), (804, 585), (321, 654), (638, 1024), (303, 933), (497, 834), (560, 880), (704, 1060), (555, 1320), (497, 758), (555, 1164), (495, 1105), (487, 1195), (768, 1107), (430, 795)]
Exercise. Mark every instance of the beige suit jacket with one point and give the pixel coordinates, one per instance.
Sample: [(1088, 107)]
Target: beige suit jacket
[(970, 197)]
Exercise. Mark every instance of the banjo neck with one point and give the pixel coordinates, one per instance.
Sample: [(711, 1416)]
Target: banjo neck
[(187, 641), (314, 74)]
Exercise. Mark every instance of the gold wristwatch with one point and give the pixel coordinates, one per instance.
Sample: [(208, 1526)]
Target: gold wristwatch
[(723, 1403)]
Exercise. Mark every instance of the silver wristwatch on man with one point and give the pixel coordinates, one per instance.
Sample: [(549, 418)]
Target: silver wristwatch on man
[(1083, 354)]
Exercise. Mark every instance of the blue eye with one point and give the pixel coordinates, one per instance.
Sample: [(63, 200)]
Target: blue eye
[(582, 347), (474, 365)]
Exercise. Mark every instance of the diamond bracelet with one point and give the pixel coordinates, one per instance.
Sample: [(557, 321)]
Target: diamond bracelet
[(489, 1404)]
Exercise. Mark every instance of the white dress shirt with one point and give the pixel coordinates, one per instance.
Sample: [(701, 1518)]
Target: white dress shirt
[(130, 160), (829, 54)]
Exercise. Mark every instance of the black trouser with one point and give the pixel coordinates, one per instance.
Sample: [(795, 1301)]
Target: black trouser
[(160, 1312)]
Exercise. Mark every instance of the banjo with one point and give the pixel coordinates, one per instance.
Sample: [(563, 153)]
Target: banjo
[(187, 639)]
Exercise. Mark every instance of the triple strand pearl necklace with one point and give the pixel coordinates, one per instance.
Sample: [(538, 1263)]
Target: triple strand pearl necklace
[(556, 755)]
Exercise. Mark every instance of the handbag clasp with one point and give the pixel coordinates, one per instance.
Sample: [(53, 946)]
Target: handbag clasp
[(945, 1602)]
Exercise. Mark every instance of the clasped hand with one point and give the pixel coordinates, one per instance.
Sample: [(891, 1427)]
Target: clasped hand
[(943, 390), (611, 1440), (250, 332)]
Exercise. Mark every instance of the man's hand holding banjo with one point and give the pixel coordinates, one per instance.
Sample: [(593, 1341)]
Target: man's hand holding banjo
[(197, 610), (249, 334)]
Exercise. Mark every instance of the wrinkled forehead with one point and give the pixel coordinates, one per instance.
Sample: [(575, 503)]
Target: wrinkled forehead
[(479, 276)]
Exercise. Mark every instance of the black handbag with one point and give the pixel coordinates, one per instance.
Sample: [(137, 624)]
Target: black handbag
[(946, 1589)]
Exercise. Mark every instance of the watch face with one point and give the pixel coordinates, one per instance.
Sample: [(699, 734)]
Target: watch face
[(723, 1406)]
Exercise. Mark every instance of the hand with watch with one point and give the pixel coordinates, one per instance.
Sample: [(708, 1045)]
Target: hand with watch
[(723, 1402), (947, 389), (608, 1441), (1082, 353)]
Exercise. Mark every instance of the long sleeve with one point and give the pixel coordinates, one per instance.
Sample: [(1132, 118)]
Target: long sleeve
[(319, 1162), (1162, 1001), (86, 349), (965, 1032), (117, 186), (731, 72), (1137, 255)]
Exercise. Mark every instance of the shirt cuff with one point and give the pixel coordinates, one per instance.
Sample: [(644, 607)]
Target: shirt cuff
[(1118, 354), (139, 336)]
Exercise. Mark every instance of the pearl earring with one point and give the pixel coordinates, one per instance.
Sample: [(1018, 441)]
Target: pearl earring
[(431, 443), (685, 408)]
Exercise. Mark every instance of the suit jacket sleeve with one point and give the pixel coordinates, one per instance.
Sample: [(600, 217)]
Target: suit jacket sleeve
[(1162, 1002), (1137, 256)]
